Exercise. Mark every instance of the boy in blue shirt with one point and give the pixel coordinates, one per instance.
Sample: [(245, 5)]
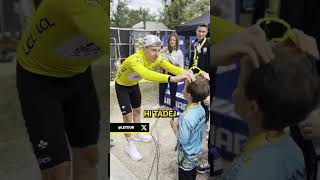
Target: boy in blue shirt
[(274, 96), (191, 128)]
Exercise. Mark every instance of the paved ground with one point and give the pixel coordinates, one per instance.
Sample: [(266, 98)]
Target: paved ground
[(17, 161), (141, 169)]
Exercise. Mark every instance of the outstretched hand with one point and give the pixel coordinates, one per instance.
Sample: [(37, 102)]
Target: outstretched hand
[(186, 75), (249, 42)]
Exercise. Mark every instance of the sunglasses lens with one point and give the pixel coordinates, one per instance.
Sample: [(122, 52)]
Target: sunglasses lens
[(274, 29), (195, 70)]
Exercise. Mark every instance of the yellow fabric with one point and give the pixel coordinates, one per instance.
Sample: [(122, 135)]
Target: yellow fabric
[(261, 139), (221, 28), (64, 37), (137, 66), (195, 55)]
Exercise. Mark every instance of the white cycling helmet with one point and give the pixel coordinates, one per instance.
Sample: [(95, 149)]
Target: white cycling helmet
[(151, 40)]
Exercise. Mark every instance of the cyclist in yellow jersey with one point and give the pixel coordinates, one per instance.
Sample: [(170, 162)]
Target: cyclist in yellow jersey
[(132, 70), (138, 66), (55, 86), (61, 42)]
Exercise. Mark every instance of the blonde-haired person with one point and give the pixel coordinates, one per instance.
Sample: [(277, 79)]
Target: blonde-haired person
[(56, 90), (142, 65)]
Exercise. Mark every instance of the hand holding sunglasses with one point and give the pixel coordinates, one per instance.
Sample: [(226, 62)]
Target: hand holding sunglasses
[(198, 72), (277, 30)]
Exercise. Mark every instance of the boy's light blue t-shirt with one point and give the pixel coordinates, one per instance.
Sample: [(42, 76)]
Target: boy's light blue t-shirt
[(190, 136), (282, 160)]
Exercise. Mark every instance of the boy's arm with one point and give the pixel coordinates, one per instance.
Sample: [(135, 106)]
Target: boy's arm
[(174, 126), (184, 131)]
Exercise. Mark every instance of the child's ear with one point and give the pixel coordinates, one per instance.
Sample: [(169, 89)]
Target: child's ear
[(189, 95), (254, 107)]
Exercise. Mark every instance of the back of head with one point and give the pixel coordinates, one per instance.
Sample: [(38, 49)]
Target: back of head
[(199, 89), (286, 89)]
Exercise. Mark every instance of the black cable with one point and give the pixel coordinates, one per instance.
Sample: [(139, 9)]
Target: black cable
[(157, 153), (158, 158)]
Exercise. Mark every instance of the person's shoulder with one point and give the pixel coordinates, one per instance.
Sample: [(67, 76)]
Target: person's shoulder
[(290, 148), (250, 166), (136, 57), (208, 41), (185, 119), (195, 112), (281, 156), (160, 59), (240, 168), (275, 161), (179, 51), (76, 6), (200, 109)]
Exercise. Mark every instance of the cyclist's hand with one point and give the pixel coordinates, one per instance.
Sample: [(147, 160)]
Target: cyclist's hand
[(307, 43), (205, 75), (207, 101), (310, 127), (249, 42), (187, 75)]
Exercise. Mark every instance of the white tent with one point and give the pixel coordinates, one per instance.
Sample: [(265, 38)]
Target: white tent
[(150, 26)]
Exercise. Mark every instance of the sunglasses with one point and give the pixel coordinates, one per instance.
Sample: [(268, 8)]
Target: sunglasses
[(196, 71), (277, 30)]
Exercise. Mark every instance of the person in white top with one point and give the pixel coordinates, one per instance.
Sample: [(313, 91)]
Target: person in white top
[(174, 55)]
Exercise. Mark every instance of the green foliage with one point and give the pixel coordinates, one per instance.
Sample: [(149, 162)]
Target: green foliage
[(180, 11), (125, 18)]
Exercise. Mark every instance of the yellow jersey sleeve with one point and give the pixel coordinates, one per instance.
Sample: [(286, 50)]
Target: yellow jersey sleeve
[(170, 67), (221, 28), (87, 16), (147, 74), (64, 37), (137, 67)]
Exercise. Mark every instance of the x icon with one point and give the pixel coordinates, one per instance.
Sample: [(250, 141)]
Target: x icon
[(144, 127)]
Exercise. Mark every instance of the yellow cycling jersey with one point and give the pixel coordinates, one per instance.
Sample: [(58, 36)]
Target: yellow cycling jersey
[(64, 37), (221, 28), (137, 66)]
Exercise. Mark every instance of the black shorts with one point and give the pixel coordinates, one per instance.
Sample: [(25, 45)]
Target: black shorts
[(128, 97), (58, 112), (187, 175)]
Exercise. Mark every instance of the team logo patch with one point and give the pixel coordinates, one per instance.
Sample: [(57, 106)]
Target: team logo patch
[(139, 61), (134, 76), (44, 160), (205, 49), (78, 47), (42, 144)]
